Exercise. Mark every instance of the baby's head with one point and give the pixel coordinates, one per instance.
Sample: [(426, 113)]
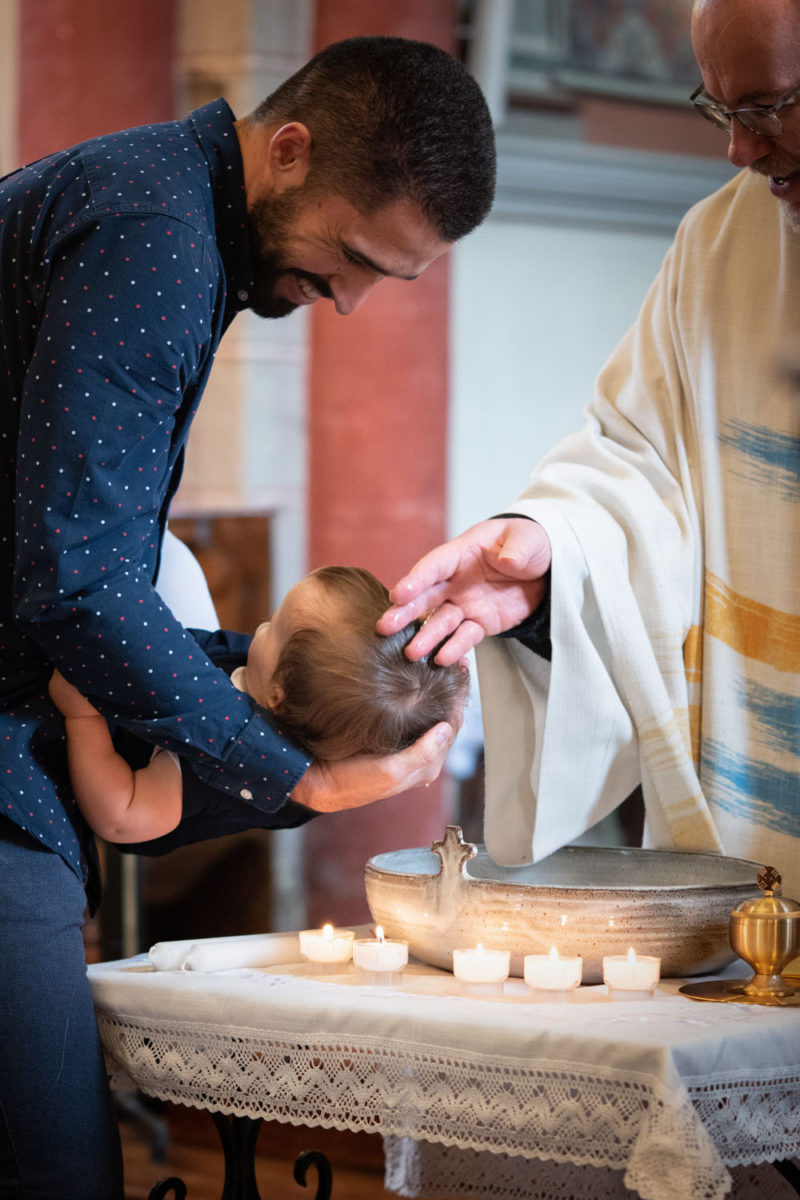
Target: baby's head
[(334, 683)]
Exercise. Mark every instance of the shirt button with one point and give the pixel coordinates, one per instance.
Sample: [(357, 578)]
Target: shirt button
[(243, 295), (246, 794)]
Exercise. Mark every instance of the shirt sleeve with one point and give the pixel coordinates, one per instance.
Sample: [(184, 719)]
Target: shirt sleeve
[(209, 813), (124, 336)]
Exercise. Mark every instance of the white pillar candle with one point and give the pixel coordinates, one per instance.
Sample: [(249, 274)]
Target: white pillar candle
[(382, 958), (481, 970), (631, 976), (553, 974), (328, 946)]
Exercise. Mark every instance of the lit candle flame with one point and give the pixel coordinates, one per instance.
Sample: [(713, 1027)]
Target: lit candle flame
[(327, 931), (631, 955), (553, 954), (379, 933), (479, 947), (563, 920)]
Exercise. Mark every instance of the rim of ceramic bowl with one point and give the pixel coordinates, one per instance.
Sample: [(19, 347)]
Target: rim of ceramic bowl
[(380, 864)]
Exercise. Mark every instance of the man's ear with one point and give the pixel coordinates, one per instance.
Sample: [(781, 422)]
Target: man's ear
[(289, 155)]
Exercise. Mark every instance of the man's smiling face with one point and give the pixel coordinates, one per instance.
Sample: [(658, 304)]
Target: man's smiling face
[(749, 55), (308, 243)]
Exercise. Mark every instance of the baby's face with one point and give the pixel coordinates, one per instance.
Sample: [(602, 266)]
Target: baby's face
[(304, 606)]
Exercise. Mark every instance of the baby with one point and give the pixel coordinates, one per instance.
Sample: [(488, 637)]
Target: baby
[(328, 678)]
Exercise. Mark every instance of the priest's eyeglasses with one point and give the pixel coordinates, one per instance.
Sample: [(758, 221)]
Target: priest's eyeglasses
[(762, 120)]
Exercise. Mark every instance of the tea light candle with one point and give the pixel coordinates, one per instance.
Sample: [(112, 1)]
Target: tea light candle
[(482, 971), (327, 947), (381, 958), (551, 974), (631, 976)]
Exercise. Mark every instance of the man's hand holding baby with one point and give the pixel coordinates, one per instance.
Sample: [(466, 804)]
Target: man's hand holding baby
[(354, 782)]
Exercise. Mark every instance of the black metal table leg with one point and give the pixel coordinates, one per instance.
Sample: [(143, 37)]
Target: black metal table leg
[(315, 1158), (162, 1190), (239, 1136)]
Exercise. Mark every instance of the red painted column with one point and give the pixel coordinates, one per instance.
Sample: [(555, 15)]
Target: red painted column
[(378, 452), (89, 67)]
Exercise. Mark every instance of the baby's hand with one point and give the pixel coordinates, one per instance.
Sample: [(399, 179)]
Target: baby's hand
[(67, 699)]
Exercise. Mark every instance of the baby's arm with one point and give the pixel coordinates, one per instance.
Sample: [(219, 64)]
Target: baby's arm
[(120, 804)]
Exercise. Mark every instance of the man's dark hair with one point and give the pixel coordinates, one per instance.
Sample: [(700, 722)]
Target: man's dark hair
[(347, 690), (392, 119)]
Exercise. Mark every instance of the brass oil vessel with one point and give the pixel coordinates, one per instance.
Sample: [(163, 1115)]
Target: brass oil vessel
[(765, 932)]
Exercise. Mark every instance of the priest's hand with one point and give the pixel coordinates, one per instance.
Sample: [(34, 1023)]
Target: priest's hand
[(483, 582), (354, 782)]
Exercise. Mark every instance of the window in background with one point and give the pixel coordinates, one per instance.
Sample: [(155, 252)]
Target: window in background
[(638, 49)]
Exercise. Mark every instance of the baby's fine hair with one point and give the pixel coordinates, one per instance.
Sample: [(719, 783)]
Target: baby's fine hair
[(347, 690)]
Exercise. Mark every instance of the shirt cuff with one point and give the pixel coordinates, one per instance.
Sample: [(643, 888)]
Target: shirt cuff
[(263, 766)]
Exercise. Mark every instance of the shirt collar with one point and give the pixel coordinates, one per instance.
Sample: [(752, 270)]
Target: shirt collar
[(213, 125)]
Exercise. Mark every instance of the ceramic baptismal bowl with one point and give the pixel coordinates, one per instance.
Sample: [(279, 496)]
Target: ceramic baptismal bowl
[(586, 900)]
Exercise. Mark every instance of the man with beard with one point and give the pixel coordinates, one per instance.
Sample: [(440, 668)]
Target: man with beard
[(124, 260), (658, 549)]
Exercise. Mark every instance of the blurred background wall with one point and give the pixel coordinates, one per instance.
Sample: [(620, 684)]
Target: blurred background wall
[(371, 439)]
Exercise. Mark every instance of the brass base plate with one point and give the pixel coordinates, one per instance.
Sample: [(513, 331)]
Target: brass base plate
[(731, 991)]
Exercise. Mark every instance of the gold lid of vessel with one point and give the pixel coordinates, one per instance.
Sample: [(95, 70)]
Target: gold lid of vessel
[(770, 904)]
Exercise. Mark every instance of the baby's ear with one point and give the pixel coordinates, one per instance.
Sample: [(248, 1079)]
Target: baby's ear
[(275, 694)]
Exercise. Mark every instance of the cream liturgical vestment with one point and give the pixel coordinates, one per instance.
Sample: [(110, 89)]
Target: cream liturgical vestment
[(674, 519)]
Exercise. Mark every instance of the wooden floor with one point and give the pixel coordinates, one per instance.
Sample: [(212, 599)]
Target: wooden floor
[(357, 1172)]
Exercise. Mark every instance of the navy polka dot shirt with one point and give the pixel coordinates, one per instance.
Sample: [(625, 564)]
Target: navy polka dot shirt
[(122, 262)]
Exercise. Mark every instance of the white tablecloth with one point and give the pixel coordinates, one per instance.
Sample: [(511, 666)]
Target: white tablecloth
[(669, 1091)]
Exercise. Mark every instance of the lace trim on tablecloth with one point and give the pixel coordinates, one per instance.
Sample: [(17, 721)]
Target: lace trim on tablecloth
[(751, 1118), (417, 1169), (593, 1116), (752, 1121)]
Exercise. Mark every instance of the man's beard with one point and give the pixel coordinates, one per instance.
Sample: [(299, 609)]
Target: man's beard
[(269, 223), (791, 215), (781, 166)]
